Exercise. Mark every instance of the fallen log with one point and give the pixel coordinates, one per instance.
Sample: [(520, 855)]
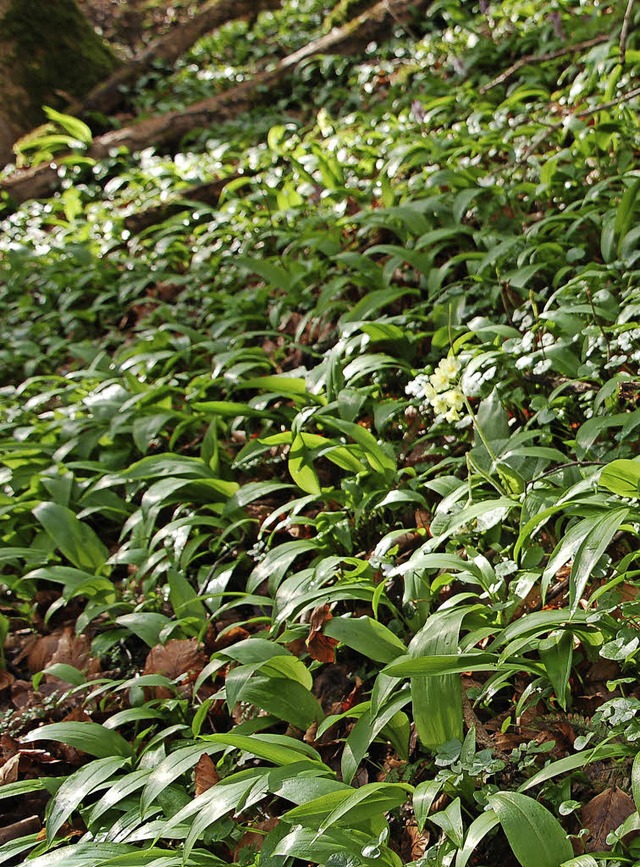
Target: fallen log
[(108, 95), (167, 129)]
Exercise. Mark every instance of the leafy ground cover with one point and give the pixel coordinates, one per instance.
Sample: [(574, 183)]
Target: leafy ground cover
[(320, 506)]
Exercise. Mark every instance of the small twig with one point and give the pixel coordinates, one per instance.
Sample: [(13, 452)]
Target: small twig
[(630, 94), (22, 828), (561, 467), (482, 735), (543, 58), (624, 33)]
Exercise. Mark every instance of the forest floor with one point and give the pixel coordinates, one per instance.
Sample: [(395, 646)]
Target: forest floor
[(318, 432)]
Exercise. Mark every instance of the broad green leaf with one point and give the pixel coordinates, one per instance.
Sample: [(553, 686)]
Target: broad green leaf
[(352, 806), (89, 737), (173, 766), (621, 477), (635, 780), (21, 787), (367, 636), (286, 699), (75, 539), (578, 760), (598, 533), (625, 211), (277, 562), (301, 466), (423, 798), (580, 861), (307, 845), (147, 625), (437, 701), (478, 830), (377, 457), (367, 729), (76, 788), (536, 837), (449, 820), (73, 125), (264, 747), (167, 465), (184, 599), (116, 793), (556, 653)]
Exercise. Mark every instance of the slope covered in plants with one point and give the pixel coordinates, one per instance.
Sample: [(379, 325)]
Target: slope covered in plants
[(320, 503)]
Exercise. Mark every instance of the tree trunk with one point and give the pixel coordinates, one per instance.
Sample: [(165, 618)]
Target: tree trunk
[(107, 96), (169, 128), (49, 55)]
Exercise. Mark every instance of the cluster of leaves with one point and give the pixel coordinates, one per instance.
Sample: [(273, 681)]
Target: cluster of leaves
[(271, 605)]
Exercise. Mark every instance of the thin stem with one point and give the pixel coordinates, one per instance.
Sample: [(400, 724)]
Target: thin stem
[(478, 427)]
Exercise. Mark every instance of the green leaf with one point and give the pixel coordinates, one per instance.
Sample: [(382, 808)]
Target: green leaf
[(376, 456), (184, 599), (284, 698), (147, 625), (89, 737), (351, 806), (370, 725), (305, 844), (75, 127), (635, 780), (75, 539), (622, 477), (478, 830), (167, 465), (437, 701), (116, 793), (578, 760), (625, 211), (301, 466), (76, 788), (265, 747), (556, 653), (423, 798), (450, 821), (599, 533), (536, 837), (172, 767), (367, 636), (439, 664), (22, 787)]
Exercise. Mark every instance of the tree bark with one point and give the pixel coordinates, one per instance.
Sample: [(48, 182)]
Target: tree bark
[(48, 54), (108, 95), (169, 128)]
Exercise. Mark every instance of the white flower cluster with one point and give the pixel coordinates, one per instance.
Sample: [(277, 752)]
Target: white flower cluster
[(440, 391)]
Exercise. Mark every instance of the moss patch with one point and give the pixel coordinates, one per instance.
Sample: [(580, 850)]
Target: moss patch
[(54, 50)]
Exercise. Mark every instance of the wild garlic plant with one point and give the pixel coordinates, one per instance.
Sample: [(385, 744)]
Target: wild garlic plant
[(441, 391)]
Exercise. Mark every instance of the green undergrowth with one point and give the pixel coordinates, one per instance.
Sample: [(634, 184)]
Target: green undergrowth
[(324, 496)]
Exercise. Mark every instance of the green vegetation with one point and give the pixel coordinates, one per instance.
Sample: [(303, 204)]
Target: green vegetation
[(321, 504)]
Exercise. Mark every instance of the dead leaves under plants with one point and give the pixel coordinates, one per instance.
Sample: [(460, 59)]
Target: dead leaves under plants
[(320, 646), (205, 774), (180, 659), (603, 814)]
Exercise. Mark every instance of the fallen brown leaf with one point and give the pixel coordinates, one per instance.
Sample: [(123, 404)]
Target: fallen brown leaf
[(62, 646), (320, 646), (254, 838), (205, 774), (178, 658), (9, 771), (604, 814)]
